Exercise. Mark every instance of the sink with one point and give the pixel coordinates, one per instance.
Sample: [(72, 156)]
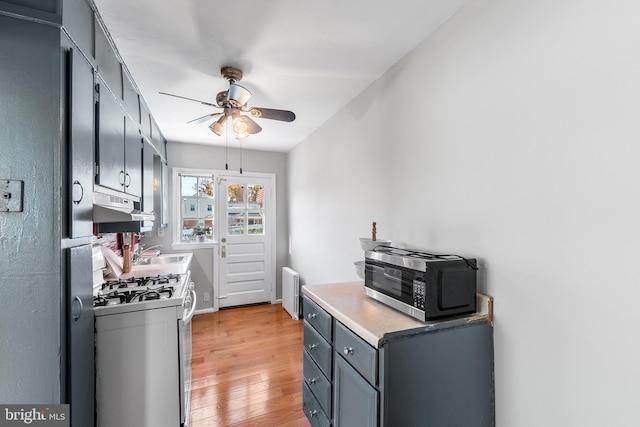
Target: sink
[(161, 260)]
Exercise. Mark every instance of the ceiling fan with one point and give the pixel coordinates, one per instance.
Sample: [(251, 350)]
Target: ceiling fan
[(233, 101)]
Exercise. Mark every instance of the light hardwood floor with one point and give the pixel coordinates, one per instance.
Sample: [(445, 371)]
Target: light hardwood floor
[(247, 368)]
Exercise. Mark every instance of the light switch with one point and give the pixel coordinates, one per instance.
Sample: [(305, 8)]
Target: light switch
[(10, 195)]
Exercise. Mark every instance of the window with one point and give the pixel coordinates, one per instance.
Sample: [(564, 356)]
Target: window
[(245, 209), (196, 192)]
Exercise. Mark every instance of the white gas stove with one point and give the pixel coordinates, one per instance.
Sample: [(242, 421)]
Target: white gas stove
[(143, 328)]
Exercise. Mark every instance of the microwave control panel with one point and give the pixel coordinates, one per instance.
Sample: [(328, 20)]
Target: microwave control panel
[(419, 290)]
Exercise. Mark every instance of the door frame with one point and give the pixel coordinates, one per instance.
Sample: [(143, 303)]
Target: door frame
[(270, 224)]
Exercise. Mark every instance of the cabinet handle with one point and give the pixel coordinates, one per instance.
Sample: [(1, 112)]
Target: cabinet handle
[(312, 316), (312, 346), (127, 176), (312, 380), (77, 198), (313, 413), (122, 178), (76, 309), (347, 351)]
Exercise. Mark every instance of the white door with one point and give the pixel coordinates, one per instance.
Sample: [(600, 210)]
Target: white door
[(245, 225)]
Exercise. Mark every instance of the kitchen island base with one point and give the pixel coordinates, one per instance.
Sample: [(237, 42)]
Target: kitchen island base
[(390, 370)]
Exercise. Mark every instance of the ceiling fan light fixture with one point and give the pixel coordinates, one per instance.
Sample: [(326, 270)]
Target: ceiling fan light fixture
[(238, 96), (240, 126), (218, 126)]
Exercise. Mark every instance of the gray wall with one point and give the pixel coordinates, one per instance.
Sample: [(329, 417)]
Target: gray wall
[(214, 158), (511, 134), (30, 256)]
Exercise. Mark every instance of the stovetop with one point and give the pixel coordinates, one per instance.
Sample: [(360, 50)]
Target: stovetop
[(139, 293)]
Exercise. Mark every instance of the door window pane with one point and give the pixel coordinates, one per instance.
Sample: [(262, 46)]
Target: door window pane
[(235, 196), (256, 222), (236, 222), (255, 196)]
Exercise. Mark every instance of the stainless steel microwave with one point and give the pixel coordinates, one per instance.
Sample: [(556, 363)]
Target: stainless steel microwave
[(423, 285)]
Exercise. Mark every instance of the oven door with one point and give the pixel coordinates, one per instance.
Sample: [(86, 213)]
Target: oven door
[(184, 333), (393, 281)]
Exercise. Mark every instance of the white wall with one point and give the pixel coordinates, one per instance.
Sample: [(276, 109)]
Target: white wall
[(512, 135)]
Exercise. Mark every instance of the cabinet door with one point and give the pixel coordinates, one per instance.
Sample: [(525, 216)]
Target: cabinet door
[(80, 336), (161, 192), (80, 98), (78, 20), (148, 154), (110, 144), (109, 66), (133, 159), (355, 402)]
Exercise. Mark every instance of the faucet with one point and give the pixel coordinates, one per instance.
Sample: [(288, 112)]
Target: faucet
[(142, 250)]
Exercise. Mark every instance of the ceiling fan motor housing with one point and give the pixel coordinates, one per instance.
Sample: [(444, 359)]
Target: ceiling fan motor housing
[(238, 96)]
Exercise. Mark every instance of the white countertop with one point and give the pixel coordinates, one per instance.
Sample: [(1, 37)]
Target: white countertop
[(375, 322), (159, 269)]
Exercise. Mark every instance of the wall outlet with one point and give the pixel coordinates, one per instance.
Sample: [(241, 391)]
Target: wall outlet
[(160, 232), (205, 296)]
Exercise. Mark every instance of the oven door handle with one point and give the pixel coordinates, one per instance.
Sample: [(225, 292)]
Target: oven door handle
[(187, 318)]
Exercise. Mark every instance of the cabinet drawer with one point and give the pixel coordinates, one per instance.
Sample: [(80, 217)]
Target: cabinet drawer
[(317, 317), (317, 382), (318, 348), (357, 352), (312, 409)]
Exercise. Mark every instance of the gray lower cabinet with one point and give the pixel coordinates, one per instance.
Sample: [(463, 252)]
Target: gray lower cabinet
[(355, 400), (438, 375), (317, 364)]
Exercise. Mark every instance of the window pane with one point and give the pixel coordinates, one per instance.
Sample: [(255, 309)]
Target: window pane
[(256, 222), (236, 222), (255, 196), (196, 205), (235, 198), (205, 186), (188, 185), (205, 209)]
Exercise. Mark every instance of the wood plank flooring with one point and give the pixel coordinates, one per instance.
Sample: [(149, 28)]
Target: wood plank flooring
[(247, 368)]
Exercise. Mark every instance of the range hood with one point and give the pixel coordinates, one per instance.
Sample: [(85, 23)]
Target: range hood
[(112, 206)]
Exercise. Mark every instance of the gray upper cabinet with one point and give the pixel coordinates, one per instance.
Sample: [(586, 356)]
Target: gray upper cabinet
[(110, 143), (132, 159), (130, 99), (78, 21), (79, 98), (145, 120), (119, 147), (148, 154), (41, 10), (109, 66)]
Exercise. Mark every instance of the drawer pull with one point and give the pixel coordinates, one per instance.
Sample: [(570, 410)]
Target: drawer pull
[(312, 380), (312, 316), (312, 346), (313, 413), (347, 351)]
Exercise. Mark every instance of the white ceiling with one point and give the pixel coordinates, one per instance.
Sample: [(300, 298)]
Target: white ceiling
[(311, 57)]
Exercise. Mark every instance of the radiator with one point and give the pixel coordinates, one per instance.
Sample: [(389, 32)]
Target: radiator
[(291, 292)]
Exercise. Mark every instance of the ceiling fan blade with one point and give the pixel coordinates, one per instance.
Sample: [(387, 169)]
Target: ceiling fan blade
[(270, 113), (252, 126), (190, 99), (203, 119)]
